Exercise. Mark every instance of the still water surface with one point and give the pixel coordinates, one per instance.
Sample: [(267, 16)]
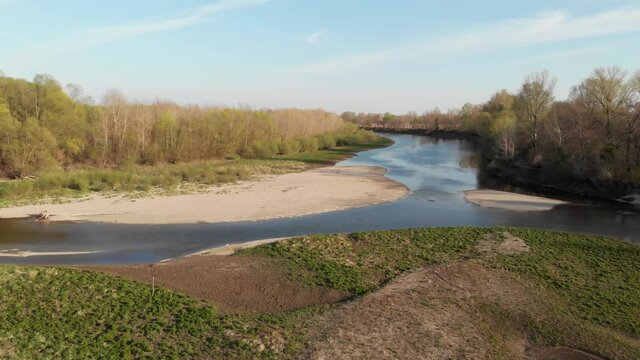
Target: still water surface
[(436, 172)]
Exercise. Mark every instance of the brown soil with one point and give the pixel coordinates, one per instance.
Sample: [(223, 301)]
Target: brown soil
[(434, 313), (560, 353), (232, 283), (6, 349), (502, 243)]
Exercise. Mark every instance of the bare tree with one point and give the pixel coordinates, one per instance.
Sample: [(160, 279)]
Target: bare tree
[(142, 119), (535, 99), (77, 94), (504, 129), (115, 123), (633, 121), (607, 93)]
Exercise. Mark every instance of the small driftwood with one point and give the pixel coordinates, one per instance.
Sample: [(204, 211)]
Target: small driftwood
[(43, 216)]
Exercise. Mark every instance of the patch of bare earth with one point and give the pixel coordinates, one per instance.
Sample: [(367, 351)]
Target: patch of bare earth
[(428, 314), (560, 353), (7, 350), (438, 312), (232, 283), (502, 243)]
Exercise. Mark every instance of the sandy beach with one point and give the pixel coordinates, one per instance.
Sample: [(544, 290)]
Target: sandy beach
[(295, 194), (510, 201)]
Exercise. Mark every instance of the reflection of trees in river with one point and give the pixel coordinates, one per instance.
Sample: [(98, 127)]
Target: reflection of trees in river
[(470, 161)]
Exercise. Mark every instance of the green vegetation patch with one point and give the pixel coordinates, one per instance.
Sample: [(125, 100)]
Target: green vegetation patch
[(598, 277), (65, 313), (364, 261), (346, 147), (139, 180)]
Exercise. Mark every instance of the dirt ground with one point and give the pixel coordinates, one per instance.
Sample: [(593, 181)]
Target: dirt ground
[(439, 312), (433, 313), (232, 283), (502, 243)]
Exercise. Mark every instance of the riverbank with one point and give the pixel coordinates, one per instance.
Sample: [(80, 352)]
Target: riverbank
[(430, 293), (439, 134), (535, 178), (146, 180), (277, 196), (511, 201)]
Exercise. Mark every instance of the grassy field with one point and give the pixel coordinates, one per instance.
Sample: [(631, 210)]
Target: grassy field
[(165, 179), (585, 293)]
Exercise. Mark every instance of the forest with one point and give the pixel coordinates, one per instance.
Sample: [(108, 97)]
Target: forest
[(592, 135), (45, 126)]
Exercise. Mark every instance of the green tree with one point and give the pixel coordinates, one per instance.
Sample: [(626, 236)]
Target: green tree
[(25, 148)]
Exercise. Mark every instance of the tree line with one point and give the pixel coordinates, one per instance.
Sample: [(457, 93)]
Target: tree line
[(594, 134), (43, 125)]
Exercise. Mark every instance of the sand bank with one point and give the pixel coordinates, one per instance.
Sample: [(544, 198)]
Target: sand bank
[(510, 201), (231, 249), (23, 254), (295, 194)]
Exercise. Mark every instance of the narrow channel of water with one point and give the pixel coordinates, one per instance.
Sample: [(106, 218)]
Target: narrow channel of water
[(436, 172)]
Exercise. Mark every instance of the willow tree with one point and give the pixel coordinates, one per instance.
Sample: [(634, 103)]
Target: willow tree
[(25, 147), (534, 101)]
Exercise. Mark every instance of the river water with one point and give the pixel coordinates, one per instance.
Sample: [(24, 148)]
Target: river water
[(436, 172)]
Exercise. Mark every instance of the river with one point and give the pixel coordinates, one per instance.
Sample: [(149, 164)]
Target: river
[(436, 172)]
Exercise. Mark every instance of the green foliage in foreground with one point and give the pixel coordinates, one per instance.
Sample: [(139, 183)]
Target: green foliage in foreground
[(599, 277), (63, 313), (589, 286), (362, 262)]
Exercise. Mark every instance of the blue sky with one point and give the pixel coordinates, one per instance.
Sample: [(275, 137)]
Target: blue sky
[(371, 56)]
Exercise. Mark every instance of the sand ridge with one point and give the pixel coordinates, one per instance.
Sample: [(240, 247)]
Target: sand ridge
[(295, 194), (511, 201)]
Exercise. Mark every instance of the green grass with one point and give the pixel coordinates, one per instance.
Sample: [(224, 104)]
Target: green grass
[(339, 153), (362, 262), (598, 277), (143, 180), (62, 313), (588, 289), (55, 313), (138, 180)]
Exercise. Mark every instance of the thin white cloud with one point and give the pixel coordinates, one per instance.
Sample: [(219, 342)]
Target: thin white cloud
[(92, 37), (544, 28), (562, 54), (191, 18), (314, 37)]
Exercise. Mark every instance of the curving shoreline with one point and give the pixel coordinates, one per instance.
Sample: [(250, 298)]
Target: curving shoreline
[(510, 201), (289, 195)]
